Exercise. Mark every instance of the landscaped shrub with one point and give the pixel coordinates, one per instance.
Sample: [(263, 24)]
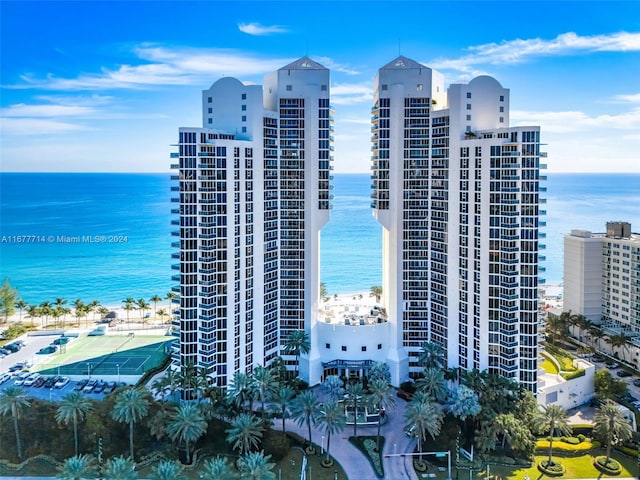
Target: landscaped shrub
[(367, 445), (572, 440), (543, 445), (553, 469), (612, 467), (581, 437), (408, 387), (572, 374), (632, 452)]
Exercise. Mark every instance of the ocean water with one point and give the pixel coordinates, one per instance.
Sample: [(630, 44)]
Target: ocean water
[(122, 226)]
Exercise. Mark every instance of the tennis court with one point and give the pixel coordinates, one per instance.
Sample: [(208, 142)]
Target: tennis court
[(107, 355)]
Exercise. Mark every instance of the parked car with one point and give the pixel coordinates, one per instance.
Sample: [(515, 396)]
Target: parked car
[(80, 385), (598, 358), (4, 377), (13, 347), (111, 386), (623, 373), (100, 386), (48, 350), (88, 388), (4, 351), (40, 382), (22, 376), (51, 381), (16, 367), (31, 379), (62, 381), (612, 365), (61, 341), (636, 382)]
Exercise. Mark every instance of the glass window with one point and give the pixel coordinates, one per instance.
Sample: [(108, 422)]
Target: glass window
[(244, 96), (468, 106), (468, 94)]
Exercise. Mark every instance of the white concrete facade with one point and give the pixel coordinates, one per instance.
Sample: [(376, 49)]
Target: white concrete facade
[(602, 276), (253, 191), (583, 274), (457, 192)]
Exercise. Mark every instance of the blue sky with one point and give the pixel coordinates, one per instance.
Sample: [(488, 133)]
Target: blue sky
[(104, 86)]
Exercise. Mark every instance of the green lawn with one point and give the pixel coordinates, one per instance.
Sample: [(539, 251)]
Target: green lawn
[(548, 366), (576, 467)]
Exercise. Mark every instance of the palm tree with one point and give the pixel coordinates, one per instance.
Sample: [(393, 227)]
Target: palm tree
[(376, 291), (381, 396), (323, 291), (142, 305), (128, 306), (331, 419), (423, 417), (79, 307), (282, 398), (45, 308), (167, 470), (245, 432), (355, 393), (612, 425), (13, 401), (217, 469), (264, 383), (162, 312), (80, 467), (256, 466), (619, 340), (239, 390), (333, 387), (155, 299), (120, 468), (433, 384), (94, 307), (556, 326), (73, 408), (33, 312), (297, 343), (304, 409), (554, 419), (131, 406), (60, 303), (21, 305), (187, 425), (597, 334), (430, 355)]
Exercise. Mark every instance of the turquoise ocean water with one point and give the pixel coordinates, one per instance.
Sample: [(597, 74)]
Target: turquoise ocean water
[(127, 218)]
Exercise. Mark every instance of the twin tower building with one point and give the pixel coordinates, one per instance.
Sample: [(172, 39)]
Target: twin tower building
[(455, 189)]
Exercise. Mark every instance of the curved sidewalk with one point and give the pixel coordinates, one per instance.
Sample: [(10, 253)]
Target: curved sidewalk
[(354, 463)]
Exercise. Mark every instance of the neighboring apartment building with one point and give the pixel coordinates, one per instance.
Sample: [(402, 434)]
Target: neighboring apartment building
[(252, 195), (602, 276), (455, 188), (457, 191)]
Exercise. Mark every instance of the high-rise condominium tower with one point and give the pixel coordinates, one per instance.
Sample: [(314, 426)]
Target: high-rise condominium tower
[(252, 195), (456, 190)]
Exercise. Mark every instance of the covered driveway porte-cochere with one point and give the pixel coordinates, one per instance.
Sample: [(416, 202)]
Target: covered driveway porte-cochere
[(349, 369)]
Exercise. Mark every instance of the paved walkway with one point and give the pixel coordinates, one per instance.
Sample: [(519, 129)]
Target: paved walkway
[(354, 463)]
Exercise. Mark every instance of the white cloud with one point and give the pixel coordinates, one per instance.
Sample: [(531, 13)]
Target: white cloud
[(166, 66), (346, 94), (574, 121), (22, 110), (519, 50), (258, 29), (631, 98), (335, 66), (35, 126)]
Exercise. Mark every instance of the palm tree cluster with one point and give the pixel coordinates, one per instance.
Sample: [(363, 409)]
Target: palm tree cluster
[(559, 327), (59, 309)]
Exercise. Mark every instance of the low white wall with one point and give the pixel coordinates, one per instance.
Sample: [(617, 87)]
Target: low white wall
[(553, 389), (353, 339)]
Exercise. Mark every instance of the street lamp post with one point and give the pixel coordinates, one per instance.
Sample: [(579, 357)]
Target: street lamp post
[(118, 367), (89, 371)]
